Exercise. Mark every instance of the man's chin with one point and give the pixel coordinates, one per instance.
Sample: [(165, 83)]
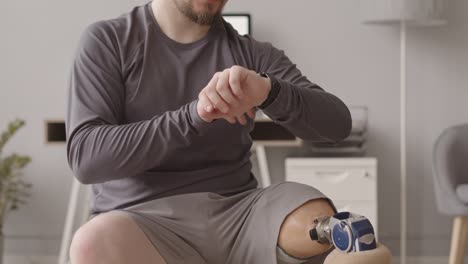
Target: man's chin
[(206, 17), (202, 12), (208, 7)]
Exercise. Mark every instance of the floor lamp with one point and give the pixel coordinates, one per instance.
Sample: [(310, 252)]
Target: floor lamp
[(403, 13)]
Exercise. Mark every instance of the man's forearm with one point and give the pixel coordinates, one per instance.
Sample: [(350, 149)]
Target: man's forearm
[(309, 112), (99, 152)]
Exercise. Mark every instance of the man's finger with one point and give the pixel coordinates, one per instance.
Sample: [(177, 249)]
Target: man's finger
[(251, 113), (205, 102), (224, 90), (216, 100), (213, 96), (242, 120), (235, 81), (213, 81), (208, 105)]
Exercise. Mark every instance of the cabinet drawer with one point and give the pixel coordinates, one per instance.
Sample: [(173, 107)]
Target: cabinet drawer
[(341, 184)]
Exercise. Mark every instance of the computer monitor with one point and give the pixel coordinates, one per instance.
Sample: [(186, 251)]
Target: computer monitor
[(240, 22)]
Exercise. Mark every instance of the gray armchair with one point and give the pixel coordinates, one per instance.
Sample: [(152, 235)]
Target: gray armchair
[(450, 168)]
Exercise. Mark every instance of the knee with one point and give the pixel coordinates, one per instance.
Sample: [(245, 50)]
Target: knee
[(294, 235), (81, 248), (97, 240)]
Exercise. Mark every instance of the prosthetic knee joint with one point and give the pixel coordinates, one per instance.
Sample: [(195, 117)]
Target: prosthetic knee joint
[(348, 232)]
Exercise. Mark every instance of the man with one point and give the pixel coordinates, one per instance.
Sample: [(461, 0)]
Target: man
[(160, 106)]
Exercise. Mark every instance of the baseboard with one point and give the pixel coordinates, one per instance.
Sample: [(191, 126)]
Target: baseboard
[(425, 260), (30, 259)]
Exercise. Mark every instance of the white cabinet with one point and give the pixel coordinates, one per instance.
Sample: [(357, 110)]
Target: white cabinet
[(351, 183)]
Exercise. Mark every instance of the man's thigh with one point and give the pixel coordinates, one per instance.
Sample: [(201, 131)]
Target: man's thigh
[(257, 240), (112, 237)]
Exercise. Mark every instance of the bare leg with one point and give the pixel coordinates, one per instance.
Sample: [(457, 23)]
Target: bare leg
[(115, 238), (294, 236)]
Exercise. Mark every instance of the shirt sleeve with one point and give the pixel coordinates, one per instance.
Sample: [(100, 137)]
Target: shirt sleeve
[(302, 107), (100, 147)]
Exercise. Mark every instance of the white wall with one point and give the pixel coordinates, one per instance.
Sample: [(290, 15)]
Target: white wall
[(324, 37)]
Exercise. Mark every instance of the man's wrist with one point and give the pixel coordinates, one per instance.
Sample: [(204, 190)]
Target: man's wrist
[(273, 92)]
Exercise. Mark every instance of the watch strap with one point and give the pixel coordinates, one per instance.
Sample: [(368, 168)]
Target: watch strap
[(275, 87)]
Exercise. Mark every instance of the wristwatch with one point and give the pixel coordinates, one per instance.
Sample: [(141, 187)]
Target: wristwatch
[(275, 87)]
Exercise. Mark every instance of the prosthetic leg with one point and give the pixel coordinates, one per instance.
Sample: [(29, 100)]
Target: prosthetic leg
[(353, 237)]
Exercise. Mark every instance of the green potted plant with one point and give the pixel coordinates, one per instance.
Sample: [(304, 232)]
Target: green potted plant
[(13, 190)]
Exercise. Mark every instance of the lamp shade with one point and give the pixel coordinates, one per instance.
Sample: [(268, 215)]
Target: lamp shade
[(413, 12)]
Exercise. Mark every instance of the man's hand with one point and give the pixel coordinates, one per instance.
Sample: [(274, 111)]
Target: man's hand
[(231, 94)]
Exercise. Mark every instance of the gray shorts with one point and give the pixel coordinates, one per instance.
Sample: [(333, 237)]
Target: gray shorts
[(201, 228)]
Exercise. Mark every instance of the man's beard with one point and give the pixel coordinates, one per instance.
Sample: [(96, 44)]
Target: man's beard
[(201, 18)]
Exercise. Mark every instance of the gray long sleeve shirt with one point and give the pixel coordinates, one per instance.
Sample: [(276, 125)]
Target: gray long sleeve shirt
[(132, 127)]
